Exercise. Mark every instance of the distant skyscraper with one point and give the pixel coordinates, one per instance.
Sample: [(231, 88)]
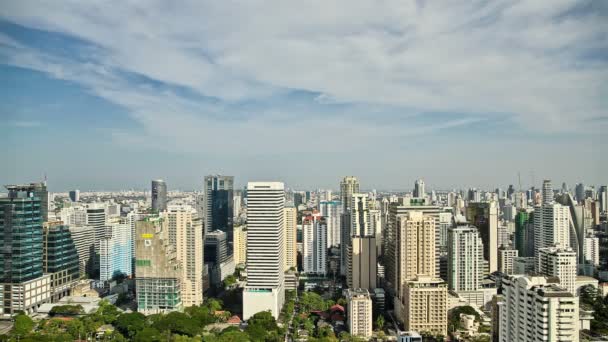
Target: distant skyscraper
[(465, 258), (348, 186), (484, 216), (603, 198), (291, 249), (419, 190), (159, 195), (547, 192), (361, 250), (219, 211), (157, 285), (96, 217), (41, 192), (506, 255), (265, 249), (314, 244), (579, 191), (551, 226), (240, 245), (22, 284), (75, 195), (332, 211)]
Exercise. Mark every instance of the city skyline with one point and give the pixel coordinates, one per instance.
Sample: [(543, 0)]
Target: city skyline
[(463, 94)]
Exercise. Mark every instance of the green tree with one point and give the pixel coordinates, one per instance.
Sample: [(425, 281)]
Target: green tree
[(263, 327), (129, 324), (66, 310), (178, 323), (23, 325), (380, 322), (106, 313), (148, 334)]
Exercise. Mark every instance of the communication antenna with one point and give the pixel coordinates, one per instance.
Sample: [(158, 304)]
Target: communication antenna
[(519, 180)]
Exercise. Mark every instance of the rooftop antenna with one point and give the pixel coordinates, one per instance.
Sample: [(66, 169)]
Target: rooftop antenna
[(519, 180), (44, 177)]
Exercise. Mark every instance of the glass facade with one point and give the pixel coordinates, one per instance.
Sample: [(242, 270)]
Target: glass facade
[(60, 252), (20, 235), (219, 192)]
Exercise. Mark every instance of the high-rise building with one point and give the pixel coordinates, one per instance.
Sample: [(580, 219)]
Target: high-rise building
[(84, 241), (332, 211), (361, 249), (22, 284), (465, 258), (535, 309), (348, 186), (188, 230), (579, 191), (240, 245), (558, 262), (416, 247), (603, 198), (425, 305), (577, 226), (265, 249), (60, 259), (75, 195), (159, 195), (217, 257), (359, 312), (547, 192), (419, 190), (314, 244), (592, 250), (219, 201), (115, 253), (551, 226), (157, 284), (236, 206), (484, 216), (96, 217), (506, 255), (291, 249), (41, 192), (524, 233)]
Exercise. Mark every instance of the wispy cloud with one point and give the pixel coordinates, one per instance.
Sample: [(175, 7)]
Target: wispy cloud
[(24, 124), (183, 71)]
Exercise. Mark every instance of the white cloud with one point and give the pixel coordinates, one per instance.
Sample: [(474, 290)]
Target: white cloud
[(519, 58)]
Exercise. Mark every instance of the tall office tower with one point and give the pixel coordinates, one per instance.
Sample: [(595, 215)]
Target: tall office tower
[(484, 216), (524, 232), (157, 284), (362, 260), (558, 262), (314, 244), (592, 250), (236, 205), (97, 218), (239, 243), (548, 195), (510, 191), (375, 225), (41, 192), (359, 310), (265, 249), (579, 191), (332, 211), (115, 253), (419, 189), (60, 259), (425, 305), (551, 226), (159, 195), (22, 284), (186, 234), (603, 198), (84, 240), (219, 211), (577, 226), (348, 186), (465, 258), (291, 232), (505, 259), (75, 195), (534, 309), (520, 200)]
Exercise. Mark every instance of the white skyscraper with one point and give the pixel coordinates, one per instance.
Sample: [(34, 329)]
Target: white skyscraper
[(535, 309), (558, 262), (265, 249), (115, 252), (592, 250), (547, 192), (332, 211), (551, 226), (465, 258), (314, 244)]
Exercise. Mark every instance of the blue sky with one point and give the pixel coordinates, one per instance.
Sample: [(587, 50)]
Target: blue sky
[(103, 95)]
